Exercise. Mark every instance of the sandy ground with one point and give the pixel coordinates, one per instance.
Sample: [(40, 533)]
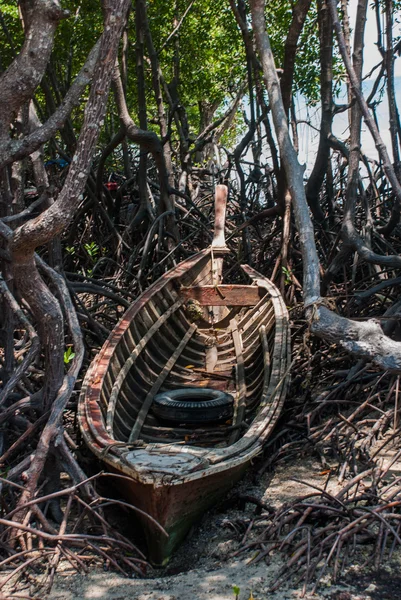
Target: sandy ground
[(216, 584), (205, 566)]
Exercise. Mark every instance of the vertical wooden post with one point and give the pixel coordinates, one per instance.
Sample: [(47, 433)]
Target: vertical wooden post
[(220, 204)]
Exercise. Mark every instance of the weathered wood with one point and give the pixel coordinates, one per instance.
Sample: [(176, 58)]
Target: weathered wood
[(211, 358), (157, 385), (220, 206), (130, 361), (222, 295), (255, 345), (266, 364), (240, 399)]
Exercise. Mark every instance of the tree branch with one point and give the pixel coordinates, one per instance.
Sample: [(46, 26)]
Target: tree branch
[(148, 140), (52, 221), (361, 338), (12, 150), (24, 74), (380, 146)]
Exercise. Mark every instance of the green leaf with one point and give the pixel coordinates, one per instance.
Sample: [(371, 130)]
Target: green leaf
[(68, 355)]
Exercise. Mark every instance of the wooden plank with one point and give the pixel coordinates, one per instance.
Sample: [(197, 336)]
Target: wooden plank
[(90, 415), (222, 295), (280, 361), (266, 370), (136, 430), (240, 404), (220, 206), (130, 361)]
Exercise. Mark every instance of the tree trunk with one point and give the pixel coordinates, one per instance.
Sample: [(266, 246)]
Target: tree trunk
[(364, 339), (319, 170)]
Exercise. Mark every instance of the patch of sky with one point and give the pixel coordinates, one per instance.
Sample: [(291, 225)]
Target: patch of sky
[(309, 118)]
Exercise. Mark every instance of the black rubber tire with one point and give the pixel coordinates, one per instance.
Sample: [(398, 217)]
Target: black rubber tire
[(193, 405)]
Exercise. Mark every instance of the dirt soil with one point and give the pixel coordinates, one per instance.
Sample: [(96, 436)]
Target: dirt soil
[(206, 567)]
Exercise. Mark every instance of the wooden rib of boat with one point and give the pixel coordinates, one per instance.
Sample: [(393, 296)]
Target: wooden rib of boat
[(237, 342)]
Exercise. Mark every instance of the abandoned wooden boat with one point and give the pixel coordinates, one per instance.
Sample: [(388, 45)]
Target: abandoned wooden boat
[(187, 389)]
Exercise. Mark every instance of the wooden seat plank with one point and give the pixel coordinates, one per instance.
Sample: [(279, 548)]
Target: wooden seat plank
[(222, 295)]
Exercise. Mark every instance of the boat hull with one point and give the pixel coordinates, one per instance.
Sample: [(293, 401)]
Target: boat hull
[(176, 507), (176, 473)]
